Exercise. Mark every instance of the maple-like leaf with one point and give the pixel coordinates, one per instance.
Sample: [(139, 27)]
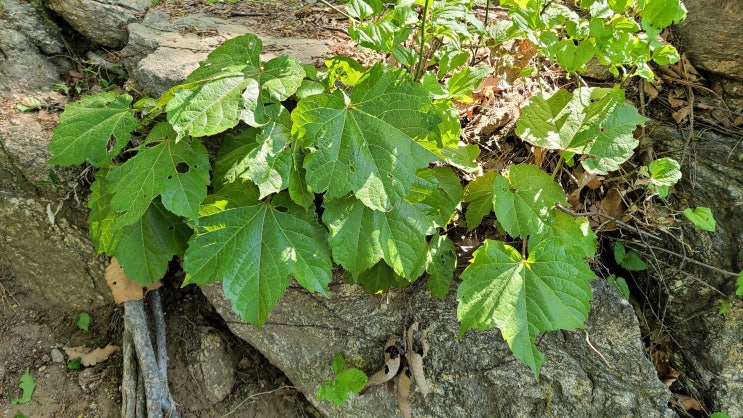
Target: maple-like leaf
[(256, 248), (548, 291), (366, 143)]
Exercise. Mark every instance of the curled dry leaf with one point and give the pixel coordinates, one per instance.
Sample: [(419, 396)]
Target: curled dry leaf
[(123, 288), (90, 357), (392, 356), (403, 393)]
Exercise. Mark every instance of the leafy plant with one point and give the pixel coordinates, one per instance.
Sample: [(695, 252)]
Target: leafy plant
[(701, 217), (83, 321), (27, 386), (346, 380), (358, 166)]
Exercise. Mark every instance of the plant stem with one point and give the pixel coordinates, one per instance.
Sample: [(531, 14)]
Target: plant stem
[(473, 60), (338, 10), (421, 46)]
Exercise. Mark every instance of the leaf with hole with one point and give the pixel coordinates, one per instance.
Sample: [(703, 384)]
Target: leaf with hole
[(178, 172), (441, 261), (94, 129)]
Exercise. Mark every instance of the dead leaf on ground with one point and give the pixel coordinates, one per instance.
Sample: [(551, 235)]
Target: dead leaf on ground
[(90, 357), (122, 287), (738, 121), (613, 206), (687, 403), (650, 90), (681, 114)]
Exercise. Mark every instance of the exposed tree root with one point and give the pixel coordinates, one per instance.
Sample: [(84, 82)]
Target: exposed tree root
[(145, 382)]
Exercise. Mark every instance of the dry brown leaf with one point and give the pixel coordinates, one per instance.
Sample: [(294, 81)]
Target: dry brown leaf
[(539, 154), (90, 357), (738, 121), (123, 288), (403, 392), (681, 114), (687, 402), (677, 98), (574, 199), (391, 364), (650, 89)]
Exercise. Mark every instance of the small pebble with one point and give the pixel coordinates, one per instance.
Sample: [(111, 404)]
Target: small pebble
[(42, 368), (57, 356)]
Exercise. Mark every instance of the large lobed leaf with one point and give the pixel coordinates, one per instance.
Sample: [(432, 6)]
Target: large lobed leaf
[(178, 172), (367, 145), (592, 121), (94, 129), (523, 298), (255, 248)]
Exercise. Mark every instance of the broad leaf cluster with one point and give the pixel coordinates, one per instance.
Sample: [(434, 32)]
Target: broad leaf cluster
[(359, 166)]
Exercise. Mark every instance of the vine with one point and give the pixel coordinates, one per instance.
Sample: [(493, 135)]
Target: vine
[(360, 166)]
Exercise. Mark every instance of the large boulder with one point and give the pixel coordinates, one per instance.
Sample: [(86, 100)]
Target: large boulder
[(101, 22), (472, 376), (712, 38), (707, 346), (184, 41)]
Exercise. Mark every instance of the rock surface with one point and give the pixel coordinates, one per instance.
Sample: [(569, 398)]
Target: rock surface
[(102, 22), (213, 366), (709, 346), (184, 41), (474, 376)]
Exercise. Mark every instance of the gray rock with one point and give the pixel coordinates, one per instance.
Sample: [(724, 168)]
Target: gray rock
[(57, 356), (30, 18), (712, 36), (102, 22), (708, 346), (214, 366), (185, 41), (22, 65), (473, 376), (56, 262)]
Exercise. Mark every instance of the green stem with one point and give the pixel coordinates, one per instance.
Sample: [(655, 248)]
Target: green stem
[(421, 46), (473, 61), (338, 10), (557, 167)]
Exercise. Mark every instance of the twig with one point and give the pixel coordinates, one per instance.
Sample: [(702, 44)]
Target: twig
[(255, 395), (338, 10), (611, 218), (596, 351)]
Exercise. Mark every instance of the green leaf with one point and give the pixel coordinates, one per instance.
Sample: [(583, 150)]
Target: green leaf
[(478, 195), (620, 285), (463, 82), (102, 217), (719, 415), (82, 320), (232, 159), (619, 6), (659, 14), (212, 107), (665, 55), (281, 77), (629, 260), (574, 233), (702, 218), (437, 193), (338, 363), (367, 145), (441, 261), (360, 237), (345, 69), (27, 385), (145, 248), (75, 363), (380, 278), (178, 172), (255, 248), (664, 173), (593, 121), (350, 380), (573, 57), (548, 291), (94, 129), (463, 157), (739, 284), (524, 200)]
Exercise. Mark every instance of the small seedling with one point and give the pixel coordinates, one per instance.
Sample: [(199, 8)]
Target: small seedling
[(27, 385)]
